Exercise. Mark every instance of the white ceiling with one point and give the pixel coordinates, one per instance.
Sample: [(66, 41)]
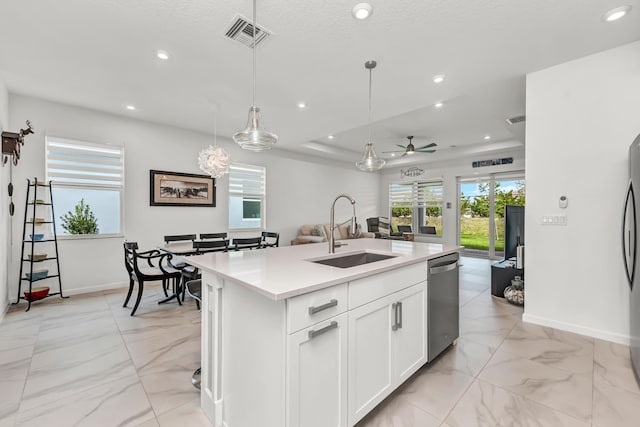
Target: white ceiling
[(100, 54)]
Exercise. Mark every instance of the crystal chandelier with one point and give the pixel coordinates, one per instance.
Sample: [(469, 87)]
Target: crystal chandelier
[(370, 162), (255, 137)]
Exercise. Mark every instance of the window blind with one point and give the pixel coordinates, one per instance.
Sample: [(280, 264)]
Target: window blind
[(415, 194), (75, 163), (247, 180)]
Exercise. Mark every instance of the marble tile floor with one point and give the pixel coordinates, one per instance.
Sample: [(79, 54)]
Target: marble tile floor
[(86, 362)]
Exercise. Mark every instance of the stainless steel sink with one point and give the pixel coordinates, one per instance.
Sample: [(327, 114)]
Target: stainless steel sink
[(353, 260)]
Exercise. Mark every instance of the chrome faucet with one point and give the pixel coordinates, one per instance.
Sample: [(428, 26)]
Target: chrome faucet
[(354, 225)]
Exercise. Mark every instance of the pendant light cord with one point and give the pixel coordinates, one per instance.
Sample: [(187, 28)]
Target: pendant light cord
[(370, 71), (254, 53)]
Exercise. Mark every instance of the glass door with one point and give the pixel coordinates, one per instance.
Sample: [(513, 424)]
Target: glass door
[(481, 211)]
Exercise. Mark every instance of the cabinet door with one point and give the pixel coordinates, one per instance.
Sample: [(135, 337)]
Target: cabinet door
[(317, 382), (370, 359), (409, 338)]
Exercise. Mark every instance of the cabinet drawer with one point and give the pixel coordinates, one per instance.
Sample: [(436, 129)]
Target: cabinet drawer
[(370, 288), (306, 310)]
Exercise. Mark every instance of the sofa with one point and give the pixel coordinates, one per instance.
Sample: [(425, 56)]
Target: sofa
[(315, 233)]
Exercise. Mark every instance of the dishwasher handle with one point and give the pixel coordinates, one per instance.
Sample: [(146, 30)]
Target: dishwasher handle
[(443, 268)]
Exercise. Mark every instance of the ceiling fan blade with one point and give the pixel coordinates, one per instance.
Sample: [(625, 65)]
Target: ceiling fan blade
[(433, 144), (401, 146), (397, 151)]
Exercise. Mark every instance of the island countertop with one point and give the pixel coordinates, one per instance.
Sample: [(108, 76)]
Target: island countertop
[(285, 272)]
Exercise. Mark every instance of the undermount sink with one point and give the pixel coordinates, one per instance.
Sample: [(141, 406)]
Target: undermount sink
[(353, 259)]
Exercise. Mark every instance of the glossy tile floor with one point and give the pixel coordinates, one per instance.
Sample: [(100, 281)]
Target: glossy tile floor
[(85, 362)]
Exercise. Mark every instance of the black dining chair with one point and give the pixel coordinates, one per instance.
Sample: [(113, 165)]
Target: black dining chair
[(204, 246), (246, 243), (179, 238), (404, 229), (148, 266), (267, 239), (204, 236), (427, 229)]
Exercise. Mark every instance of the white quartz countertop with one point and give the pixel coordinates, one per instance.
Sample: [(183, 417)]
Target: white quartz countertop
[(285, 272)]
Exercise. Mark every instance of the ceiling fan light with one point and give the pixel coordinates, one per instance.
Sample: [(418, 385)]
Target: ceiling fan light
[(370, 162), (255, 137)]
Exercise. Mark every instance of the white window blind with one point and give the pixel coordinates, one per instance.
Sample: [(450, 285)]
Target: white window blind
[(415, 194), (75, 163), (247, 180), (247, 188)]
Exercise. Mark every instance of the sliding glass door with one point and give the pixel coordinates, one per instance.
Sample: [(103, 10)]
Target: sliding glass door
[(481, 211)]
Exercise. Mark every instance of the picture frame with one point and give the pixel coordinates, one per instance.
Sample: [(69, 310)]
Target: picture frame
[(181, 189)]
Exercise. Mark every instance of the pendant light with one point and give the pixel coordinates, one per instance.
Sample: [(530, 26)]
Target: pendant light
[(370, 162), (255, 137), (214, 160)]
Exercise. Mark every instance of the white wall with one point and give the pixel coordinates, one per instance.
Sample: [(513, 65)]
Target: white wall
[(299, 189), (4, 206), (449, 173), (581, 118)]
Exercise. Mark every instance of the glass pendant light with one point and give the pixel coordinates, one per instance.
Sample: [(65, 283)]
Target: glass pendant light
[(255, 137), (370, 162)]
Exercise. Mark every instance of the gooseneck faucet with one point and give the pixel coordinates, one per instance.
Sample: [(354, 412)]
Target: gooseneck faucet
[(354, 226)]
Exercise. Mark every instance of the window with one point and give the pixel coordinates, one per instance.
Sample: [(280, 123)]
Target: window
[(93, 172), (246, 196), (418, 204)]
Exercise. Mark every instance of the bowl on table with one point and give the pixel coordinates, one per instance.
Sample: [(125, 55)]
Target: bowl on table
[(36, 236), (36, 293), (37, 274)]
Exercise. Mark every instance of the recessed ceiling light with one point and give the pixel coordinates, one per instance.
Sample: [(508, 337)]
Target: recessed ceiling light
[(362, 11), (331, 137), (616, 13), (131, 107), (162, 54), (302, 105), (487, 137), (438, 104), (438, 79)]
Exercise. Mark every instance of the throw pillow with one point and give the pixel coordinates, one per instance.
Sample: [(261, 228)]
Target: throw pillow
[(383, 227), (317, 231), (306, 229)]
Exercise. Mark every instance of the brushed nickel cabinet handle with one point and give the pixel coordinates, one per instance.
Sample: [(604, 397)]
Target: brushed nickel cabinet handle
[(314, 310), (330, 326)]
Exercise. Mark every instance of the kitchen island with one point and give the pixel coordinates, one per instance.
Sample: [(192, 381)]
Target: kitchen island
[(288, 340)]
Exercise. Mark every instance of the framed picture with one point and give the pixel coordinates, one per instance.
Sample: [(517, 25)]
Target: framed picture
[(181, 189)]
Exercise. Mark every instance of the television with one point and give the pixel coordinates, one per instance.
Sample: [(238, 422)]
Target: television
[(513, 229)]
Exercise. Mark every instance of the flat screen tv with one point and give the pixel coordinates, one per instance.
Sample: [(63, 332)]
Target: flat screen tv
[(513, 229)]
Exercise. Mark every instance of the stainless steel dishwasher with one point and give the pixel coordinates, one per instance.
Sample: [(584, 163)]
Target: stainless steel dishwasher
[(443, 308)]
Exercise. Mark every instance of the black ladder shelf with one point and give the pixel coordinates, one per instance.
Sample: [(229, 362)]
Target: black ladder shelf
[(33, 258)]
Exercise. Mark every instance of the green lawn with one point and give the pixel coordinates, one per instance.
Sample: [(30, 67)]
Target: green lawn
[(474, 233)]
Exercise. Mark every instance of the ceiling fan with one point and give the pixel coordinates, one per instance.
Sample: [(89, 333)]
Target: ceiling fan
[(410, 149)]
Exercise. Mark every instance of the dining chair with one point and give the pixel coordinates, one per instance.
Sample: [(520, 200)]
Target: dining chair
[(204, 246), (148, 266), (270, 243), (404, 229), (246, 243), (427, 229), (194, 288), (179, 238), (213, 236)]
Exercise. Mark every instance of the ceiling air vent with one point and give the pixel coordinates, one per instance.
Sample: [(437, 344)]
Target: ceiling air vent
[(516, 119), (241, 30)]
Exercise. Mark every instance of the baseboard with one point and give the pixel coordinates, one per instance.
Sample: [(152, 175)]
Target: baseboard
[(97, 288), (577, 329)]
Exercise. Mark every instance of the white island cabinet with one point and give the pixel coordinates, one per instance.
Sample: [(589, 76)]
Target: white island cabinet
[(287, 342)]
